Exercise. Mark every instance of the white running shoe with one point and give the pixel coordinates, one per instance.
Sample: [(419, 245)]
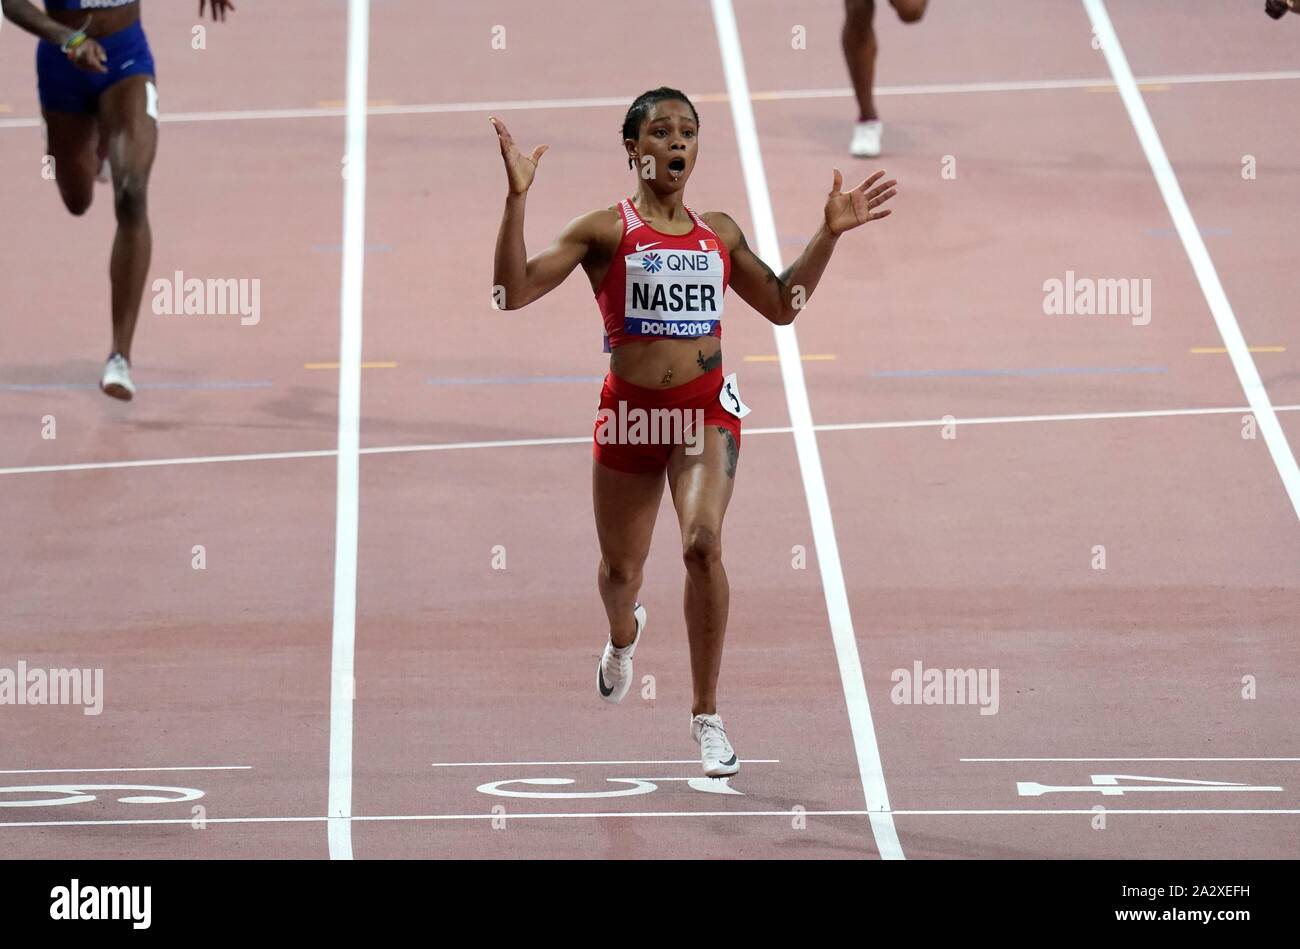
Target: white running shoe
[(716, 753), (614, 672), (105, 173), (866, 139), (117, 378)]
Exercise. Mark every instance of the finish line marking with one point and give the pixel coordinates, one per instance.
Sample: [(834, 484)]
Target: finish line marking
[(590, 815), (584, 440)]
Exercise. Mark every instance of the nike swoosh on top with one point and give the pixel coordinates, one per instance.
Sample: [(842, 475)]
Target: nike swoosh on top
[(641, 247)]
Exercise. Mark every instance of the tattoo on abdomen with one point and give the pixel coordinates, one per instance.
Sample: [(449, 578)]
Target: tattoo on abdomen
[(712, 362), (733, 450)]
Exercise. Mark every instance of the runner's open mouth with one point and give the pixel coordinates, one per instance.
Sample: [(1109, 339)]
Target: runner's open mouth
[(677, 165)]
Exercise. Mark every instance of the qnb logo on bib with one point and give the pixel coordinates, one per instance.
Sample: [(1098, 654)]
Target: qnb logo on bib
[(673, 293)]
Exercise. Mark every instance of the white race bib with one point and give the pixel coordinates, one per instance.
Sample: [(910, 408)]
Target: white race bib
[(672, 292)]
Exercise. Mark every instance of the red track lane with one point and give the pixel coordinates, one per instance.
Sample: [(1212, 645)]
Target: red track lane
[(223, 666), (978, 553), (974, 552), (527, 638)]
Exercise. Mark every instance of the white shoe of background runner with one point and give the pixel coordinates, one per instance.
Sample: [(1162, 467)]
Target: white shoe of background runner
[(105, 173), (117, 378), (866, 139)]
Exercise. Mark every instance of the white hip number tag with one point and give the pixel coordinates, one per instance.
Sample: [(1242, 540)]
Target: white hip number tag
[(730, 397)]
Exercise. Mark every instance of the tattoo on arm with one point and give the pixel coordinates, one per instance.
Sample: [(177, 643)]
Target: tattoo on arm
[(711, 362), (733, 450), (769, 275)]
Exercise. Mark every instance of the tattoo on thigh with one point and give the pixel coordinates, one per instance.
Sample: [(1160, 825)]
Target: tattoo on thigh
[(733, 450), (712, 362)]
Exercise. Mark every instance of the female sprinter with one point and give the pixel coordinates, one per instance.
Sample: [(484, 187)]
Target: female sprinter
[(96, 79), (659, 270)]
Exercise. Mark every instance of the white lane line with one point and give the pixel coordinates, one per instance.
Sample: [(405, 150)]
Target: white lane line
[(458, 446), (511, 764), (163, 462), (623, 815), (1126, 759), (1203, 266), (1060, 417), (1040, 812), (870, 770), (1188, 78), (1046, 811), (605, 102), (201, 767), (1130, 759), (582, 440), (1027, 85), (348, 468)]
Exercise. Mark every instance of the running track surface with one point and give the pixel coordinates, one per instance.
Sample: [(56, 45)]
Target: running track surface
[(977, 551)]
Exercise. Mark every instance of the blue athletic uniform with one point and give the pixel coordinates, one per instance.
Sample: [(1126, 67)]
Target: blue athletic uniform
[(65, 88)]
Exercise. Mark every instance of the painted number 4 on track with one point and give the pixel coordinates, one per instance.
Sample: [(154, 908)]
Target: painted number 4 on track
[(1110, 784)]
